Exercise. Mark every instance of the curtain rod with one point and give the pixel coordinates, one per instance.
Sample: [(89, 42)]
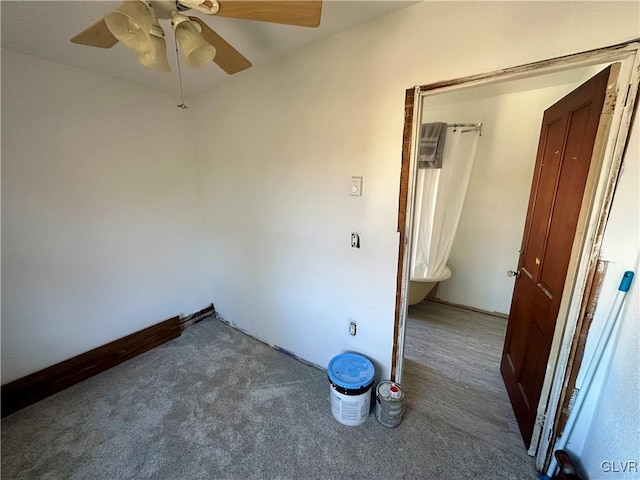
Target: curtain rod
[(475, 126), (452, 125)]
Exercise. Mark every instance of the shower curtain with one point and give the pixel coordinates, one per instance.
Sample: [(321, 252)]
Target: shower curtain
[(440, 194)]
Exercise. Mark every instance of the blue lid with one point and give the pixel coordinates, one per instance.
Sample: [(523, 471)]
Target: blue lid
[(350, 370)]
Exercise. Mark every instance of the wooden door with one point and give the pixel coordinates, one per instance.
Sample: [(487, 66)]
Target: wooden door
[(565, 149)]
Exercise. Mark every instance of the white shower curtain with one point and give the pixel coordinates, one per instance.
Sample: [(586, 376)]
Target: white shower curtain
[(440, 194)]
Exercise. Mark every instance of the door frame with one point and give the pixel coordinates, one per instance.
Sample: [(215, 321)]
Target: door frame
[(603, 175)]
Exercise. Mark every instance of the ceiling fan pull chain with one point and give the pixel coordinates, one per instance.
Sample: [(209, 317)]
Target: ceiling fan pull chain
[(182, 105)]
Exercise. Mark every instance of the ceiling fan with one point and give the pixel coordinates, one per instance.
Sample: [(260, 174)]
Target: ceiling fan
[(136, 25)]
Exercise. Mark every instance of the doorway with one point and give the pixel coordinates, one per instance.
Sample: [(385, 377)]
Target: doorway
[(454, 337), (480, 282)]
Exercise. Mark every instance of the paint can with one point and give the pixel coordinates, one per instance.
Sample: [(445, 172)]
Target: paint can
[(351, 379), (389, 404)]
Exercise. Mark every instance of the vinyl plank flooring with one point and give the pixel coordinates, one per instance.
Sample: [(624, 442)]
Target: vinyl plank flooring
[(452, 371)]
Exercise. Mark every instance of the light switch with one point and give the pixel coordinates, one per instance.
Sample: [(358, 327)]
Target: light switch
[(356, 186)]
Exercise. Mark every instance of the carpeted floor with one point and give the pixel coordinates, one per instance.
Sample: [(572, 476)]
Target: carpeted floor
[(217, 404)]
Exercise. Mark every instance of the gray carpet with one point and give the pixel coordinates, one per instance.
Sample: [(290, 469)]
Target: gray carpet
[(217, 404)]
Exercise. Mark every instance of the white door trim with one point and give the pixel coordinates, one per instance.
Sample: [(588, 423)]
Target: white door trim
[(398, 361)]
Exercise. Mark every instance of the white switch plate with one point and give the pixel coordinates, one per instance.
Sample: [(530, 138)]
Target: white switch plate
[(356, 186)]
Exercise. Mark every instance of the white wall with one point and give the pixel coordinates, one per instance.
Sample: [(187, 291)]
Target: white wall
[(101, 227), (490, 230), (277, 147)]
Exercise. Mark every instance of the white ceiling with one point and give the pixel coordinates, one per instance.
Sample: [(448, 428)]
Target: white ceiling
[(43, 29)]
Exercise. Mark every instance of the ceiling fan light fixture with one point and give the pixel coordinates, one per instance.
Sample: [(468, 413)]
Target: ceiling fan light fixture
[(131, 24), (156, 55), (196, 50), (210, 7)]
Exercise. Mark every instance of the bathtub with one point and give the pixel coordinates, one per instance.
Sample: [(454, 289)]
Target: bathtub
[(419, 288)]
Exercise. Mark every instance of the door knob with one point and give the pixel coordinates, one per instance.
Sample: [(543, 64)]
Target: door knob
[(511, 273)]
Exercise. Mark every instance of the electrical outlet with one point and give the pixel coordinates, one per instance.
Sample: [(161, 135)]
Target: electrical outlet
[(355, 240), (352, 328)]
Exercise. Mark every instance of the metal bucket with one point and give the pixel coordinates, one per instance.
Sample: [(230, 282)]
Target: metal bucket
[(351, 379), (389, 404)]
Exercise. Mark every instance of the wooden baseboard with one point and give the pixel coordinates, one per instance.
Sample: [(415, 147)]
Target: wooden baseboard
[(189, 320), (466, 307), (30, 389)]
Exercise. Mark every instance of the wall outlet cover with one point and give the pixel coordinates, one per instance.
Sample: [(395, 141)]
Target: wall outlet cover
[(352, 328), (356, 186), (355, 240)]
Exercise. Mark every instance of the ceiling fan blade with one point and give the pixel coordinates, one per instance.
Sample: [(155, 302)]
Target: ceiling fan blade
[(227, 57), (304, 13), (97, 35)]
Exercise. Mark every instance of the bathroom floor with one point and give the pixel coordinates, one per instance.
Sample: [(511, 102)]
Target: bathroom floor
[(452, 371)]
